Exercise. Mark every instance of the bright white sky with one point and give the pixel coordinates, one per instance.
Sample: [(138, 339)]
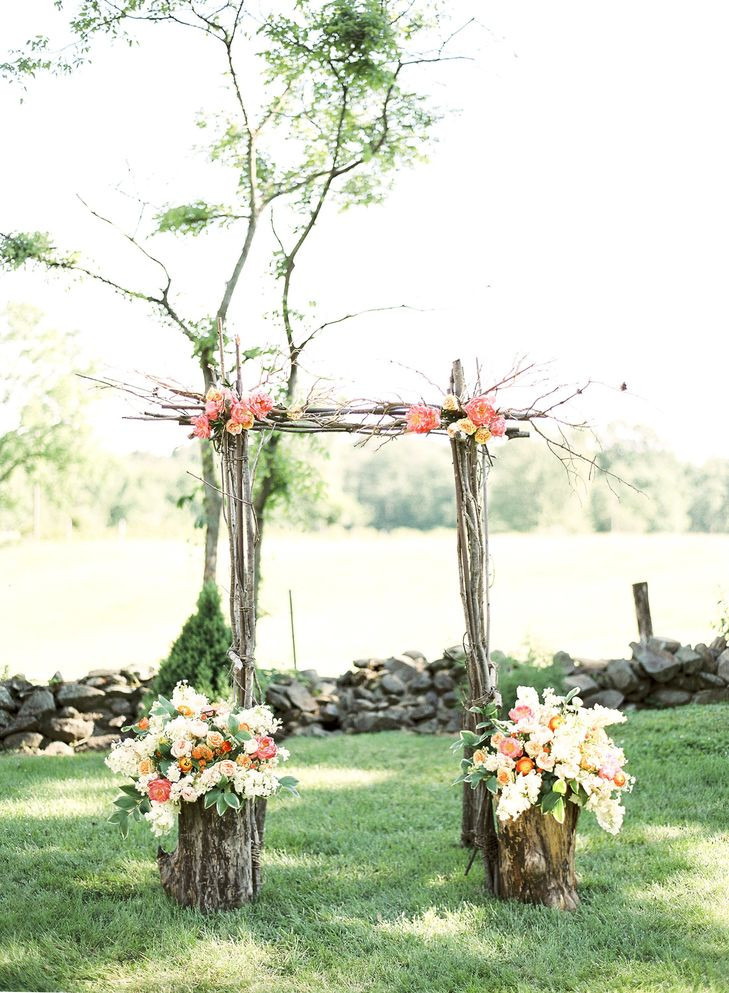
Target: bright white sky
[(577, 209)]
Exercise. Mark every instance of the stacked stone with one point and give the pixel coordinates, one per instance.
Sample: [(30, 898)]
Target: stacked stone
[(402, 692), (660, 673), (62, 717)]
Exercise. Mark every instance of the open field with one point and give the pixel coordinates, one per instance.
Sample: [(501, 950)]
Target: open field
[(365, 891), (79, 605)]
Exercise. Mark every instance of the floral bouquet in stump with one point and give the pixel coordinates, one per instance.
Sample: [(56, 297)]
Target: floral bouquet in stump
[(547, 761), (209, 767)]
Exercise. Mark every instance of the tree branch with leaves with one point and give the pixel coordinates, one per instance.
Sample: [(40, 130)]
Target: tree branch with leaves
[(334, 110)]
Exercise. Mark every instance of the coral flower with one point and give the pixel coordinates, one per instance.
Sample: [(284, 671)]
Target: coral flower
[(200, 427), (511, 747), (159, 790), (225, 747), (420, 419), (234, 427), (504, 777), (521, 712), (260, 404), (240, 413), (481, 411), (143, 724), (266, 749), (497, 427)]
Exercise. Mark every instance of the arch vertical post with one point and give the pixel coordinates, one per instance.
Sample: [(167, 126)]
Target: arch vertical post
[(477, 823), (217, 862)]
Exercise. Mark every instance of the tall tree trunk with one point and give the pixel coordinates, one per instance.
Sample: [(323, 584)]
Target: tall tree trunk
[(536, 858), (212, 503), (212, 497), (264, 491)]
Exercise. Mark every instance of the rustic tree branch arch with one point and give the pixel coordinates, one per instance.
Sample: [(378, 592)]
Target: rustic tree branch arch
[(226, 873)]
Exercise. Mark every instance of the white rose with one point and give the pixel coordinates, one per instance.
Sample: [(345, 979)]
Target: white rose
[(181, 747), (250, 746)]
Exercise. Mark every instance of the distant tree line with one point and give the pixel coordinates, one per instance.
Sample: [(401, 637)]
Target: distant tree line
[(410, 485)]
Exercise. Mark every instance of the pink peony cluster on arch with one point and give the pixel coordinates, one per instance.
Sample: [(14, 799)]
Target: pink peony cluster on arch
[(226, 411), (478, 418)]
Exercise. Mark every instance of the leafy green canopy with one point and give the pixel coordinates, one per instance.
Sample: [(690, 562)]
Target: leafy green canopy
[(321, 106), (200, 653)]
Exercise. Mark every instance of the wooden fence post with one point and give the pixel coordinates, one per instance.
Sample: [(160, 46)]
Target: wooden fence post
[(643, 611)]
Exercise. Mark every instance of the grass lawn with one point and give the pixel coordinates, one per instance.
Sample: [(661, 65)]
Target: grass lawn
[(364, 885)]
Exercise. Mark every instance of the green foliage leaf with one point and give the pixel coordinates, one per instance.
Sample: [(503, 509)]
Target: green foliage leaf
[(558, 810), (193, 218), (232, 800), (211, 798), (550, 801)]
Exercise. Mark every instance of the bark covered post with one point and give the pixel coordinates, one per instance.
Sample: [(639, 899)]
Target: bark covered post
[(532, 858), (643, 611), (217, 862), (477, 827)]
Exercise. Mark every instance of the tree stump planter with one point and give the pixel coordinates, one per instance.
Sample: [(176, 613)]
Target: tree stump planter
[(217, 862), (536, 859)]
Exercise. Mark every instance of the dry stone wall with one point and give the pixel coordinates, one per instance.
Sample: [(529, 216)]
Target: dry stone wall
[(402, 692), (660, 673)]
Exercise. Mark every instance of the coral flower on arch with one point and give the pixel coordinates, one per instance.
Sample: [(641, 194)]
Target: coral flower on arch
[(201, 427), (481, 411), (421, 419)]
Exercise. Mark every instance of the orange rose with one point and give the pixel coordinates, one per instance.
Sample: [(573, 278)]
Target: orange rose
[(145, 767), (524, 765), (185, 763), (202, 763), (555, 722), (245, 761), (143, 724), (214, 739), (226, 746), (479, 756), (185, 711), (620, 779)]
